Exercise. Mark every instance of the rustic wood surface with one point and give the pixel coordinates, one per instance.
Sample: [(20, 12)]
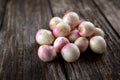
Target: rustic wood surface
[(19, 22)]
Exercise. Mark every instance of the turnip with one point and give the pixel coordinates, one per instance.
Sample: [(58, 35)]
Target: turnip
[(72, 19), (98, 32), (98, 44), (61, 29), (60, 42), (70, 52), (82, 43), (86, 28), (44, 37), (46, 53), (54, 21), (73, 35)]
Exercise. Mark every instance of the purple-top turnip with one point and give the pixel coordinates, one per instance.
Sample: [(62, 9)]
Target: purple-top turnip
[(98, 44), (60, 42), (46, 53), (61, 29), (82, 43), (44, 37), (86, 28), (98, 32), (73, 35), (54, 21), (72, 19), (70, 52)]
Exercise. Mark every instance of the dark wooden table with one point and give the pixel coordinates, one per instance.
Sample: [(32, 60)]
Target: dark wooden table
[(19, 21)]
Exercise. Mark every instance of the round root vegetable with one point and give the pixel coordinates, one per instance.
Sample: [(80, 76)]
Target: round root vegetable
[(98, 32), (60, 42), (70, 52), (54, 21), (73, 35), (61, 29), (44, 37), (46, 53), (86, 28), (72, 19), (97, 44), (82, 43)]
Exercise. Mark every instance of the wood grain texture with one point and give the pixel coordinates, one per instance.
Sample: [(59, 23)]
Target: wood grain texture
[(111, 12), (18, 50)]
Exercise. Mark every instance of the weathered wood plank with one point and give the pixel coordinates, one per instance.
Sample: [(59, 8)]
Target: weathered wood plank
[(116, 3), (18, 49), (18, 58), (91, 66), (111, 11)]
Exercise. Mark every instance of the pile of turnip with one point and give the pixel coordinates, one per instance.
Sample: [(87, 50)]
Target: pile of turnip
[(69, 37)]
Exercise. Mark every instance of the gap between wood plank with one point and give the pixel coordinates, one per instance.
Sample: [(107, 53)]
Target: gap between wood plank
[(2, 13), (49, 3)]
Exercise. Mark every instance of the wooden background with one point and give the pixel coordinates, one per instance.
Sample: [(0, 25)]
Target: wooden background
[(19, 21)]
